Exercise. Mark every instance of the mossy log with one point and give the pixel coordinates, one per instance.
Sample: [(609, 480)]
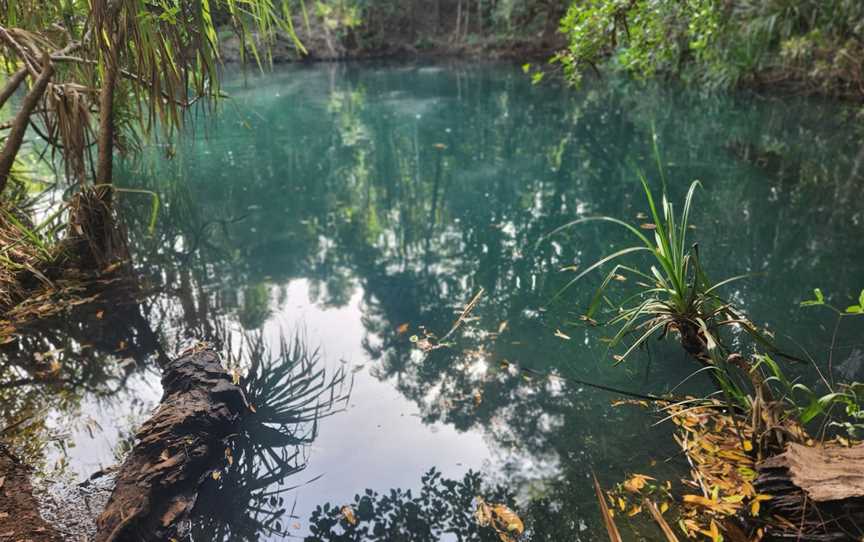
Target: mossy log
[(176, 449)]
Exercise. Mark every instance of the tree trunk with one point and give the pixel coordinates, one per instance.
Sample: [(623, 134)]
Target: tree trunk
[(458, 19), (22, 120), (106, 120), (176, 450)]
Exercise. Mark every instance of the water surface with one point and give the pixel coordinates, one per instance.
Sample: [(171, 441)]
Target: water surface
[(365, 205)]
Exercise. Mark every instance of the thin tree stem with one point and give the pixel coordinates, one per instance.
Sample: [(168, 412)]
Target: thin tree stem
[(22, 120), (106, 121), (13, 84)]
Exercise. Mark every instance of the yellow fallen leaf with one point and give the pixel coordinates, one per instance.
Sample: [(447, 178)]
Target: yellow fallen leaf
[(509, 518), (403, 328), (216, 474), (715, 532), (636, 482), (562, 335), (348, 515)]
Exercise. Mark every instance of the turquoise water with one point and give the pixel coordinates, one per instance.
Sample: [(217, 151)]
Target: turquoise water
[(365, 205)]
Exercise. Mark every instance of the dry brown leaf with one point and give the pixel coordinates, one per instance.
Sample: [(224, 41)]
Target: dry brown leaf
[(348, 515)]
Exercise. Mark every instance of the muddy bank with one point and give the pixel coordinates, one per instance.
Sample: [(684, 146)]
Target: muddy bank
[(19, 510)]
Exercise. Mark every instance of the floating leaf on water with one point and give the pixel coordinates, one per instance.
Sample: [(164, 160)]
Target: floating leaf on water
[(588, 319), (570, 268), (348, 515), (641, 216), (100, 314), (229, 456), (295, 525), (648, 226), (561, 335), (478, 397), (440, 146), (403, 328), (483, 513), (216, 474), (414, 338), (509, 518), (502, 326), (636, 482), (500, 518)]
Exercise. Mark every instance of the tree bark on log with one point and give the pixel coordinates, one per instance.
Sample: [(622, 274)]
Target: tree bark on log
[(176, 449), (819, 489)]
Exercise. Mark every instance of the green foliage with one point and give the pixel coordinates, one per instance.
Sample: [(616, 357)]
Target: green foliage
[(674, 291), (720, 44), (841, 407), (819, 301)]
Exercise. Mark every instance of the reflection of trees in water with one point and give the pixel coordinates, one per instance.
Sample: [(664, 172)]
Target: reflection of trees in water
[(89, 351), (356, 191), (291, 394), (442, 508)]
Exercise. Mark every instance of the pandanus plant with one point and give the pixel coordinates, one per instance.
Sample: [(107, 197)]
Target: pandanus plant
[(675, 293)]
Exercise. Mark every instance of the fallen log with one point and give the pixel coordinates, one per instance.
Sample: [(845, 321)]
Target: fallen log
[(819, 490), (176, 449)]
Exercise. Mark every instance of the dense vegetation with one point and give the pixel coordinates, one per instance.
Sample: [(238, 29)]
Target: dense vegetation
[(815, 45)]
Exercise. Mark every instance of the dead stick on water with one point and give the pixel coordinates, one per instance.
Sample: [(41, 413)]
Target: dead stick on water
[(658, 517), (611, 528), (465, 312)]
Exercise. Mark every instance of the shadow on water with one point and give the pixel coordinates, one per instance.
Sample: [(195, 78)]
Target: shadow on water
[(291, 394), (410, 189)]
